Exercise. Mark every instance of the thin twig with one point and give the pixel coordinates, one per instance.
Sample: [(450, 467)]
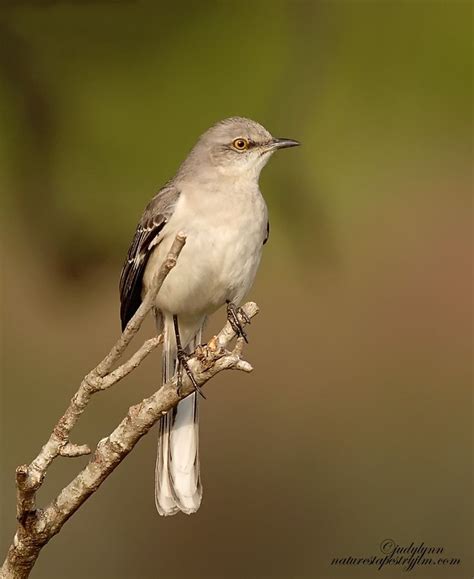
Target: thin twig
[(132, 363), (72, 450)]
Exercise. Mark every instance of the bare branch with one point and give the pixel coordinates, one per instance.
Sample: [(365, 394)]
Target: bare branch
[(36, 527), (25, 502), (73, 450), (131, 364)]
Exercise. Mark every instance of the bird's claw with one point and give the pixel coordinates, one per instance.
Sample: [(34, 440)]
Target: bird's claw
[(183, 358), (233, 317)]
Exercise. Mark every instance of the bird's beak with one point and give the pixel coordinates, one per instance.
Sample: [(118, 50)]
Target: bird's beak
[(283, 143)]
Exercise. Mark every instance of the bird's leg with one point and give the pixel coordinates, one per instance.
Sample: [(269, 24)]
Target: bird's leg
[(233, 317), (183, 361)]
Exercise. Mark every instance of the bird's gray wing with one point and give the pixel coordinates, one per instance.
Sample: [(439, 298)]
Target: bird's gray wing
[(154, 218)]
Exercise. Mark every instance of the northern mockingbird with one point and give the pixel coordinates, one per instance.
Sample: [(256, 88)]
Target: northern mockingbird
[(215, 200)]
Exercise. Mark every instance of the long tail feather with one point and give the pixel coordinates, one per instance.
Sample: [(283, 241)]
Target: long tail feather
[(177, 475)]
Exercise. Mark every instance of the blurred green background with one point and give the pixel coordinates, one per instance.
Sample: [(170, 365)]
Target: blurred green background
[(355, 425)]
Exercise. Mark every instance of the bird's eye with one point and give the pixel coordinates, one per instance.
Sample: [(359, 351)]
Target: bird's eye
[(240, 144)]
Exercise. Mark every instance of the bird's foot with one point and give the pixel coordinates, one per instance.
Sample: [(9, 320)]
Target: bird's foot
[(183, 358), (233, 316)]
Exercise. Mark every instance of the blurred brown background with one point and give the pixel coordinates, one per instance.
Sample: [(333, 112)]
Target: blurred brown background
[(355, 425)]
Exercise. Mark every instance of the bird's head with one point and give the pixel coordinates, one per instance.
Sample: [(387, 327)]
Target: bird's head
[(236, 147)]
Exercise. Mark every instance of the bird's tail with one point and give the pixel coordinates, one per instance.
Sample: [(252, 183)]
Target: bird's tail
[(177, 477)]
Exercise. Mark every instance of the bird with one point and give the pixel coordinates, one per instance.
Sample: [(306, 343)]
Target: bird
[(215, 200)]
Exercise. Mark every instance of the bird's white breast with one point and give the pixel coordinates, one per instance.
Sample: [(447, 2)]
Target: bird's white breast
[(225, 230)]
